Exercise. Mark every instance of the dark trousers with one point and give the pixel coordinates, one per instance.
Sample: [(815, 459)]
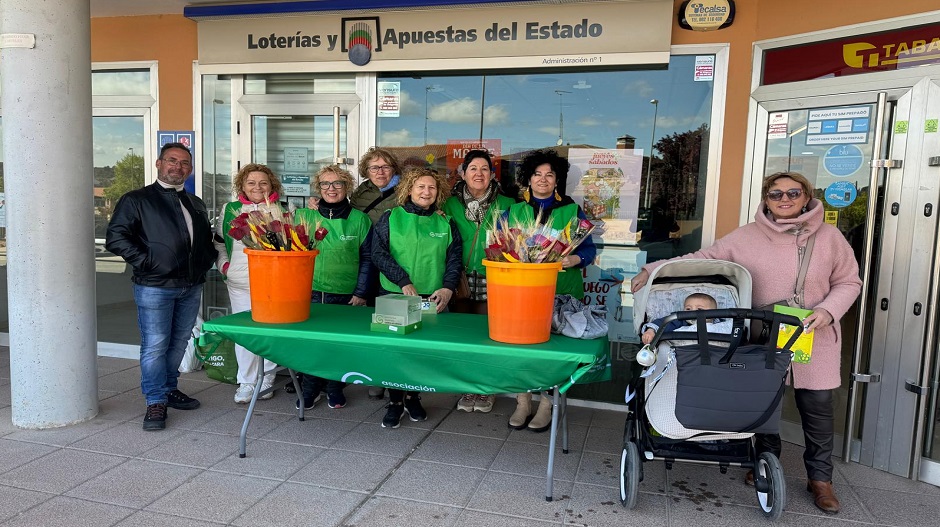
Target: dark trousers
[(816, 414), (311, 384)]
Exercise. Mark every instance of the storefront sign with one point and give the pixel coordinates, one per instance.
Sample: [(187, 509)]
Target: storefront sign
[(846, 125), (606, 185), (706, 15), (887, 51), (704, 68), (582, 34), (295, 159), (296, 184)]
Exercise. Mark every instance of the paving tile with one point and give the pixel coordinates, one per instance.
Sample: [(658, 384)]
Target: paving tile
[(385, 512), (598, 506), (607, 440), (191, 420), (799, 500), (517, 495), (213, 496), (458, 449), (470, 518), (128, 405), (341, 469), (371, 437), (16, 453), (293, 504), (6, 421), (152, 519), (492, 425), (432, 482), (316, 432), (195, 449), (62, 511), (532, 460), (108, 365), (125, 439), (609, 419), (603, 470), (269, 459), (576, 437), (899, 508), (135, 484), (14, 501), (60, 470), (862, 476), (231, 422), (120, 381), (65, 435)]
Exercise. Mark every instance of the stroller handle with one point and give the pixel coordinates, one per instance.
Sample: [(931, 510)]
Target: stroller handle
[(738, 315)]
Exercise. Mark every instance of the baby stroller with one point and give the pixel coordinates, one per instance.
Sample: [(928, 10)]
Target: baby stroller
[(709, 390)]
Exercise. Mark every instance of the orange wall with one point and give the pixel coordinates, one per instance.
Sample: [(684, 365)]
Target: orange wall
[(757, 20), (168, 39)]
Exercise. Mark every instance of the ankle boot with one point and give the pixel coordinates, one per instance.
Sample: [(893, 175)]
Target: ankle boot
[(520, 417), (543, 416), (823, 495)]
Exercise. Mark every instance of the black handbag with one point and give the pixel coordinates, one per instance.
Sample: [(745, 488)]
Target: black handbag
[(735, 389)]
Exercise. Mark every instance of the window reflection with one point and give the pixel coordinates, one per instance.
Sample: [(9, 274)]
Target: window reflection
[(120, 82)]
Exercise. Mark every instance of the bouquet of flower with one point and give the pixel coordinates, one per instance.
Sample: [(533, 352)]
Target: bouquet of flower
[(534, 243), (270, 228)]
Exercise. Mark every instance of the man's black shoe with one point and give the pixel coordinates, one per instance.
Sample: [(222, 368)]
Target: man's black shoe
[(181, 401), (155, 419)]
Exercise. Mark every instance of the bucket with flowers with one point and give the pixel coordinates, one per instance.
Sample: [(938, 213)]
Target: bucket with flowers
[(522, 265), (281, 251)]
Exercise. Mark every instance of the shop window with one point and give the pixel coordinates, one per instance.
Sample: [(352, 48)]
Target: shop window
[(120, 82), (282, 83)]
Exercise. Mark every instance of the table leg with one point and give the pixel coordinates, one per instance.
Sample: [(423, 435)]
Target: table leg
[(551, 445), (242, 437), (564, 423)]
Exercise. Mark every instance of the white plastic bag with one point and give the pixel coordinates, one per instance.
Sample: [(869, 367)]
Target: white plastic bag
[(190, 363)]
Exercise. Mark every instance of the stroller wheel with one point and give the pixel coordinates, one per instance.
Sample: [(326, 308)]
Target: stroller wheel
[(771, 485), (629, 474)]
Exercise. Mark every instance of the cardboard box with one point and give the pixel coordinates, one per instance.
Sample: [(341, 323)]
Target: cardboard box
[(400, 307), (397, 330)]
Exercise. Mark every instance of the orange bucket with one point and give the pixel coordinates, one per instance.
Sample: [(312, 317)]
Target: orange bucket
[(520, 298), (280, 282)]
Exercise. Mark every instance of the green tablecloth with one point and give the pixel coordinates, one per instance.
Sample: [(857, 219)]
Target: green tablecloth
[(451, 353)]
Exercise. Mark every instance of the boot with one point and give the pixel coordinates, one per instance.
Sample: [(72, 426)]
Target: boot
[(543, 416), (823, 496), (520, 417)]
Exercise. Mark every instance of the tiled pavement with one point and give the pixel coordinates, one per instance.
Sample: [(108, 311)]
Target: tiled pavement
[(339, 467)]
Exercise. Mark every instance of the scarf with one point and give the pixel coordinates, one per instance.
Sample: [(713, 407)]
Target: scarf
[(476, 207)]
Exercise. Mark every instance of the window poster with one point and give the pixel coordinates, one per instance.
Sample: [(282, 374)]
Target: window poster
[(607, 283), (606, 184), (458, 148)]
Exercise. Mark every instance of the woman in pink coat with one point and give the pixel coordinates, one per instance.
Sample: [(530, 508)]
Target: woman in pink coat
[(771, 248)]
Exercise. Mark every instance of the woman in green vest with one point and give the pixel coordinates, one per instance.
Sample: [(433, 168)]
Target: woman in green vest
[(256, 186), (418, 252), (472, 205), (341, 273), (544, 174)]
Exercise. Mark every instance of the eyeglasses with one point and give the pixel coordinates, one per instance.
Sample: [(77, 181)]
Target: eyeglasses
[(178, 162), (338, 185), (777, 195), (380, 168)]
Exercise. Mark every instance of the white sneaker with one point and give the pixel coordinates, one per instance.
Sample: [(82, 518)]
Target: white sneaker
[(466, 402), (484, 403), (266, 384), (244, 392)]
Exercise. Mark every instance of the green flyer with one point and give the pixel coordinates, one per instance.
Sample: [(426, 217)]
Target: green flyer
[(803, 347)]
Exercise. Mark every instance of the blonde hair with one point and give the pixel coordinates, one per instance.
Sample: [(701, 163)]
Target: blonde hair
[(343, 174), (242, 175), (408, 182), (795, 176)]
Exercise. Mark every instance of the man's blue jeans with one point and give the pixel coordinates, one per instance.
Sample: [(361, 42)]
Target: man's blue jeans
[(166, 316)]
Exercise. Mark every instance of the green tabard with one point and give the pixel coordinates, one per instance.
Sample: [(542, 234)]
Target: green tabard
[(451, 353), (419, 245), (473, 256), (337, 266), (570, 281), (232, 209)]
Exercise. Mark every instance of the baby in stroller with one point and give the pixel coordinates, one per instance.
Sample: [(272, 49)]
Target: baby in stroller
[(693, 302)]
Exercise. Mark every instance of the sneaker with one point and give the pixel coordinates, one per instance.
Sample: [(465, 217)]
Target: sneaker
[(484, 403), (376, 393), (244, 392), (336, 400), (393, 416), (415, 410), (155, 418), (266, 385), (466, 402), (181, 401), (309, 402)]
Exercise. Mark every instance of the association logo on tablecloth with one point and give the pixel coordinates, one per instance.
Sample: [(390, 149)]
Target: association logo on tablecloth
[(351, 378)]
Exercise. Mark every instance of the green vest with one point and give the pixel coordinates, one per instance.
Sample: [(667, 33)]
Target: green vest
[(232, 209), (570, 281), (336, 269), (419, 245), (473, 254)]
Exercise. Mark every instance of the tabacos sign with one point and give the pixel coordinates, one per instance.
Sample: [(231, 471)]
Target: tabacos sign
[(914, 52)]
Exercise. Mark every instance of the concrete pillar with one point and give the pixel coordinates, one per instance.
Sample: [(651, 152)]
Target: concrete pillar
[(48, 180)]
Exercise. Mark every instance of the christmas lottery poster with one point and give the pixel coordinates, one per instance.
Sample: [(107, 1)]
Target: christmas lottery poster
[(605, 183)]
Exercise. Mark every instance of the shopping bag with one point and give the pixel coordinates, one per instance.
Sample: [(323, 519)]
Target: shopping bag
[(218, 359), (190, 362)]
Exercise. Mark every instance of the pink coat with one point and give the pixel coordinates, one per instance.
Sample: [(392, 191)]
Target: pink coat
[(768, 250)]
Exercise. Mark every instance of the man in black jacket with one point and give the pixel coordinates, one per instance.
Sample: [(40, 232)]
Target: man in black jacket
[(163, 233)]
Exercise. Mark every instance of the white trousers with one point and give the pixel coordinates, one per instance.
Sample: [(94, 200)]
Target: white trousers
[(249, 364)]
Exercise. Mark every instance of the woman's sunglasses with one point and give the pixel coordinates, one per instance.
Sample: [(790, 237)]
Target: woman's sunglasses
[(777, 195)]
